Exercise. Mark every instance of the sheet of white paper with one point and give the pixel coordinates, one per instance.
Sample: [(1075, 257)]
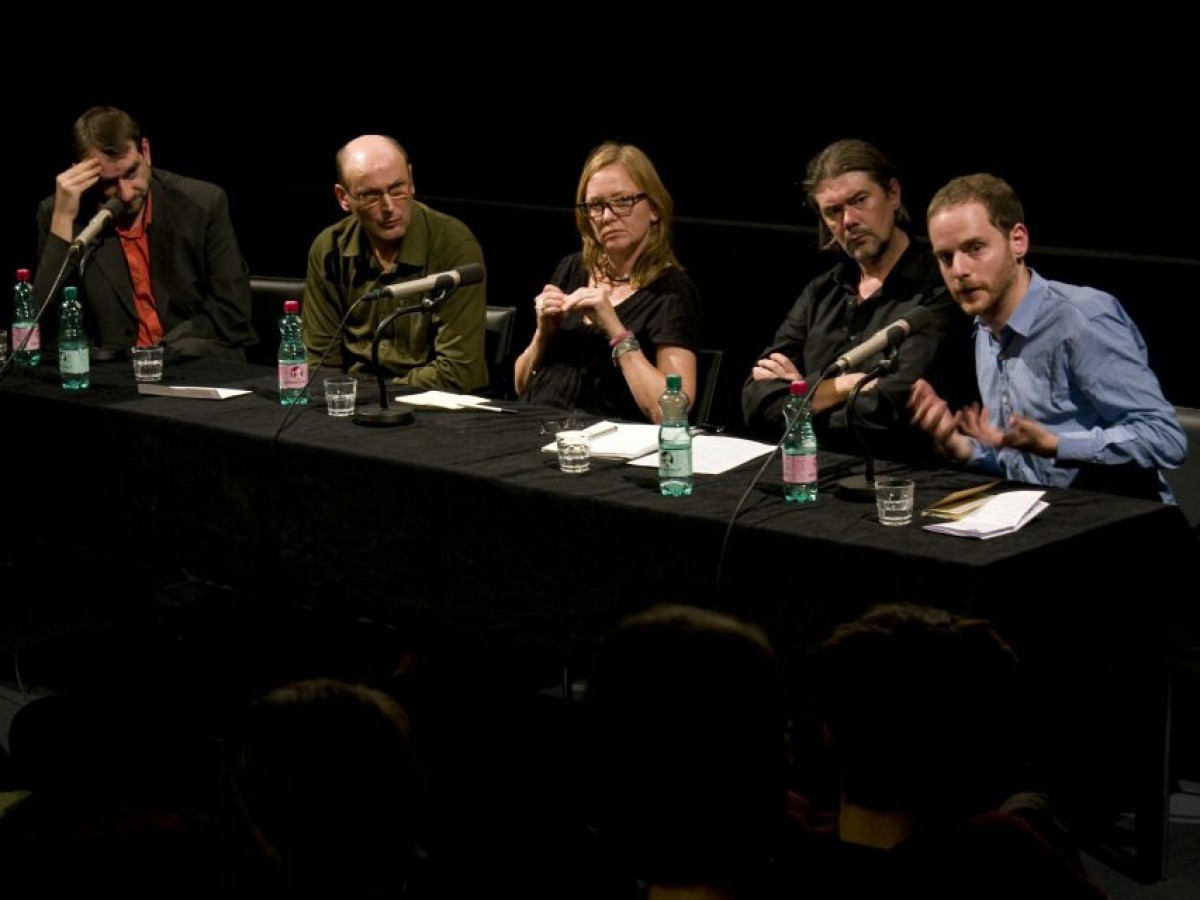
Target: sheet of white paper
[(194, 392), (713, 454), (1001, 514), (441, 400)]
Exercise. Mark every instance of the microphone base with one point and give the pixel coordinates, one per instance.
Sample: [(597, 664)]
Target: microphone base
[(375, 417), (856, 487)]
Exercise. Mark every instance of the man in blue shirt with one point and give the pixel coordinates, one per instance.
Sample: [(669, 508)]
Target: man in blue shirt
[(1070, 396)]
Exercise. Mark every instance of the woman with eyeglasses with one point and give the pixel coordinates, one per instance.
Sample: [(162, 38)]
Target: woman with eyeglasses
[(619, 314)]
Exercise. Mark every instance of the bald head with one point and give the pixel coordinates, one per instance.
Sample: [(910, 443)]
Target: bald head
[(375, 184), (369, 153)]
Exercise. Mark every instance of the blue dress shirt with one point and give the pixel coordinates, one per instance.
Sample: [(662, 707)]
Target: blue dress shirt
[(1072, 359)]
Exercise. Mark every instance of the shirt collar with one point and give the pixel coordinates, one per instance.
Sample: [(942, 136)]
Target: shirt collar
[(908, 275), (1029, 308), (414, 247), (142, 222)]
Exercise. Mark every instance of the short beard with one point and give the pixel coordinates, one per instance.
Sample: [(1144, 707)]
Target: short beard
[(874, 248)]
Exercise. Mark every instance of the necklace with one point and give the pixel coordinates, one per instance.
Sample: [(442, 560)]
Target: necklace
[(603, 272)]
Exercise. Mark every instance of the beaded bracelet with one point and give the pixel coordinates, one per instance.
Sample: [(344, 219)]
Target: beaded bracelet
[(620, 337), (625, 345)]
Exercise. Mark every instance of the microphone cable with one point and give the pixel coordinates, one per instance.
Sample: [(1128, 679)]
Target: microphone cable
[(812, 392)]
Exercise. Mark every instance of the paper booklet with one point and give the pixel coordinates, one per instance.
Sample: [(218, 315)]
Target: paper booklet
[(195, 392), (619, 440), (1001, 514)]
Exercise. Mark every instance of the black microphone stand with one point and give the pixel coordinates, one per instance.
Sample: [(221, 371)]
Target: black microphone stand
[(862, 487), (401, 414)]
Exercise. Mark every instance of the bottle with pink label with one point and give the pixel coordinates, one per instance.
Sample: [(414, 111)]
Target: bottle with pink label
[(799, 448), (293, 357), (24, 323)]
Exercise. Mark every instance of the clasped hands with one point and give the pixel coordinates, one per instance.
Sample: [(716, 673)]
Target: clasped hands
[(951, 431), (552, 304)]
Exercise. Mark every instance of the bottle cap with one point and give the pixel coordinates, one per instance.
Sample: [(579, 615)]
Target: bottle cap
[(674, 382), (799, 388), (291, 306), (70, 292), (22, 274)]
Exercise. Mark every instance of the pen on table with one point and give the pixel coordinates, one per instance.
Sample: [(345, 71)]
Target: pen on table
[(594, 432), (499, 409)]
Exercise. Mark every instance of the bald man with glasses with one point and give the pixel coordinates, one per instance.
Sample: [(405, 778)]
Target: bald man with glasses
[(387, 237)]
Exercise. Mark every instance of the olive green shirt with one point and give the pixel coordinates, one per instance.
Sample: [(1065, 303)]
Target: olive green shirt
[(442, 350)]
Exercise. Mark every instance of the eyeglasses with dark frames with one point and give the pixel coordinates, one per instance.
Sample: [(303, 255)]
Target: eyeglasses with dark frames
[(620, 206)]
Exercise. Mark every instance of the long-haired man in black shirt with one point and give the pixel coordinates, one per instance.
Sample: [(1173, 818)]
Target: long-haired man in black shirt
[(882, 277)]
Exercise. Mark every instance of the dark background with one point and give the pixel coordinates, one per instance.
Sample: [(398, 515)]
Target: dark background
[(1100, 150)]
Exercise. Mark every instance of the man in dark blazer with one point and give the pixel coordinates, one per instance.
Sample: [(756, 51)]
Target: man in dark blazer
[(167, 270)]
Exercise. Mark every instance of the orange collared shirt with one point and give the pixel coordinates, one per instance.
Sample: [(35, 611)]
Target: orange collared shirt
[(136, 247)]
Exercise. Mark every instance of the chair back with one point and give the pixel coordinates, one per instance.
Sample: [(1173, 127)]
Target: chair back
[(500, 325), (708, 373), (267, 293)]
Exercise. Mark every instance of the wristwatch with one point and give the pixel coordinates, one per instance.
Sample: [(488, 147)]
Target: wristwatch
[(624, 346)]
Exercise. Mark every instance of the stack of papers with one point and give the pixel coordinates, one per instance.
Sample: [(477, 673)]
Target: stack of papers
[(442, 400), (637, 443), (1002, 514), (713, 454)]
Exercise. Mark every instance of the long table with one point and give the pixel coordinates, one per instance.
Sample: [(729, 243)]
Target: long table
[(458, 525)]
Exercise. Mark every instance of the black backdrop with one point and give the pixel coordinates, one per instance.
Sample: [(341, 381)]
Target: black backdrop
[(1110, 195)]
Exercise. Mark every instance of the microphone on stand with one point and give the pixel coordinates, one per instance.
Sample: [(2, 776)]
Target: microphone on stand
[(443, 282), (888, 338), (862, 487), (111, 208), (440, 287)]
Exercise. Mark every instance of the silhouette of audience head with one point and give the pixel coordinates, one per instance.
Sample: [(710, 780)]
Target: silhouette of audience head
[(323, 775), (108, 803), (686, 722), (921, 709)]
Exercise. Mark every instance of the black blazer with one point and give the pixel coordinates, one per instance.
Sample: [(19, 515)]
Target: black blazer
[(201, 282)]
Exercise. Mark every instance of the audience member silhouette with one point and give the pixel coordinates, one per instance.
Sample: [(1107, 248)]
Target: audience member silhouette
[(686, 725), (109, 799), (322, 784), (922, 710)]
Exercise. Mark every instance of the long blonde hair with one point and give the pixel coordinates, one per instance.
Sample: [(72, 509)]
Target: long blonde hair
[(659, 253)]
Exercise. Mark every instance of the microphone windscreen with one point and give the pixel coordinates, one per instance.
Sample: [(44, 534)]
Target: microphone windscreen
[(471, 273), (114, 205)]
